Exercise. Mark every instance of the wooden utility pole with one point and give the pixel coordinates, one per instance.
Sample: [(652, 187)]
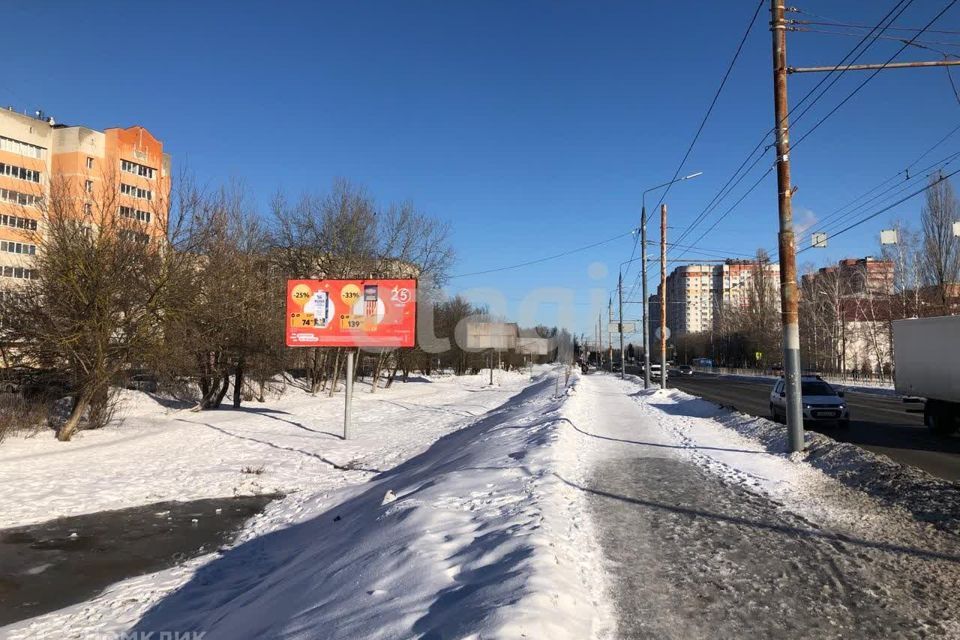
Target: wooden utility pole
[(788, 250), (663, 296), (623, 360)]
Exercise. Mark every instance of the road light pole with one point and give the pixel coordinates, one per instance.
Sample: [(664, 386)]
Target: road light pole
[(623, 360), (643, 271), (663, 296)]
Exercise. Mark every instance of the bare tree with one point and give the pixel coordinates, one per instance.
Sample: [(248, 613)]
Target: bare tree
[(103, 277), (232, 318), (344, 234), (906, 256), (941, 248)]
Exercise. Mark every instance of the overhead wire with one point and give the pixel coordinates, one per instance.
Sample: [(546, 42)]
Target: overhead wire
[(920, 44), (706, 116), (906, 43), (546, 258), (829, 22), (836, 219), (829, 79), (857, 89), (873, 215)]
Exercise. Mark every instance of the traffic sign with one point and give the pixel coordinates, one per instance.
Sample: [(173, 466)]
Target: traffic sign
[(657, 334)]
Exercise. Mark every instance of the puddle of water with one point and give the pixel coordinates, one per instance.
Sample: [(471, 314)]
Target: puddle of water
[(54, 564)]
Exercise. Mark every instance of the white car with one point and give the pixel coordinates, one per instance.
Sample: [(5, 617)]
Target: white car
[(821, 402)]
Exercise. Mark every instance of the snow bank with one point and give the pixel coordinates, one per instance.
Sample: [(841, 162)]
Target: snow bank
[(927, 498), (473, 537), (462, 548)]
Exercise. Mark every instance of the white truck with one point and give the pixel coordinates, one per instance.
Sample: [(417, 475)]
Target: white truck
[(927, 368)]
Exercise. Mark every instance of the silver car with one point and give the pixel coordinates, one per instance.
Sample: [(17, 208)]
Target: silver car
[(821, 402)]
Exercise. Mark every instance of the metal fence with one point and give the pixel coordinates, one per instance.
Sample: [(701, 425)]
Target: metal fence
[(851, 378)]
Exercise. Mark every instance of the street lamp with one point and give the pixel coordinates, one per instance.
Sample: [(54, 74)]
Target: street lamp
[(623, 365), (643, 268)]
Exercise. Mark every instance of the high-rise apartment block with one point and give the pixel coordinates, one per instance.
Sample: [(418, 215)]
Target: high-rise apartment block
[(697, 293), (83, 170)]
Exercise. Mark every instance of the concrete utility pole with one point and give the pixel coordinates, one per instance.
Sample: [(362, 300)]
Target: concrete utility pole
[(623, 361), (788, 250), (599, 344), (610, 335), (663, 296)]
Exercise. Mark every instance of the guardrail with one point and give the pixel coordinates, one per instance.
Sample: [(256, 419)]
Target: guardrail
[(880, 382)]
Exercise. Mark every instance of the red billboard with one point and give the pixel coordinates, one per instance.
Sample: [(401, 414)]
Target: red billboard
[(351, 313)]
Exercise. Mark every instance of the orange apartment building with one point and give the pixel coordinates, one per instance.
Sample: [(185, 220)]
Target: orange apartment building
[(697, 293), (123, 169)]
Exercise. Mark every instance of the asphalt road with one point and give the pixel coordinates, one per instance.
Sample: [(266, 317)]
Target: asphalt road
[(877, 423)]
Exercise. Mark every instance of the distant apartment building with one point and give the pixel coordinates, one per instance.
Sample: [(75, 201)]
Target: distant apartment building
[(83, 166), (698, 293), (846, 314), (856, 276)]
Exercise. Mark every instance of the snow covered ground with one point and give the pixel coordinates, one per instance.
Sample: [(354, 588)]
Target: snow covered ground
[(532, 508), (710, 533), (155, 452), (467, 532)]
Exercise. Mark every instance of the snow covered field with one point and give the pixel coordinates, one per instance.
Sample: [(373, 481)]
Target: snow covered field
[(154, 453), (474, 536)]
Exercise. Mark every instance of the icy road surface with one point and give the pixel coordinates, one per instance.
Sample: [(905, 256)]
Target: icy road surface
[(705, 535)]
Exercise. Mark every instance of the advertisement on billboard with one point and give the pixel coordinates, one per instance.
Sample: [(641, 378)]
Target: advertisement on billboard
[(351, 313)]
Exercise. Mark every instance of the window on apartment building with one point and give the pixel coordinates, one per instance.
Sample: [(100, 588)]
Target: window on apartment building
[(25, 199), (136, 169), (88, 209), (135, 214), (17, 222), (18, 247), (136, 236), (88, 186), (19, 172), (19, 272), (89, 162), (22, 148), (136, 192)]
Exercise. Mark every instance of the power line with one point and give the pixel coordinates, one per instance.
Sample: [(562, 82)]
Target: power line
[(891, 206), (547, 258), (724, 191), (728, 211), (920, 44), (849, 96), (706, 116), (807, 235), (833, 23), (722, 252), (822, 227), (870, 77)]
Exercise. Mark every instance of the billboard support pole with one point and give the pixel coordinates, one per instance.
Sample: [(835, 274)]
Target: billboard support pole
[(348, 396)]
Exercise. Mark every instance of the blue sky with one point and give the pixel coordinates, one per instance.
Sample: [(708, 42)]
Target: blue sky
[(532, 127)]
